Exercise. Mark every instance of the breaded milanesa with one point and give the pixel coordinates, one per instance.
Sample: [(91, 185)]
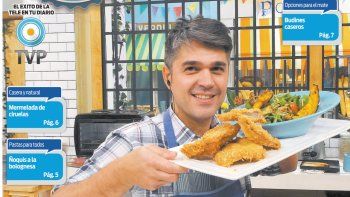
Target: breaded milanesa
[(256, 134), (255, 115), (242, 150), (211, 142)]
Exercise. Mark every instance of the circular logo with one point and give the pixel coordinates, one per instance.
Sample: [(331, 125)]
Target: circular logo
[(30, 32)]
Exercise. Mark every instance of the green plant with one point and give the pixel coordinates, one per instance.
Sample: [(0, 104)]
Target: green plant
[(120, 40)]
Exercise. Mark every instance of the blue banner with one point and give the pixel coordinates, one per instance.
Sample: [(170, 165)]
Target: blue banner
[(324, 5), (34, 144), (35, 167), (311, 28), (35, 114), (49, 92)]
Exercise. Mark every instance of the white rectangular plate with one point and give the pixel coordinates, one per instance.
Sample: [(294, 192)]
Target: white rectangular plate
[(321, 130)]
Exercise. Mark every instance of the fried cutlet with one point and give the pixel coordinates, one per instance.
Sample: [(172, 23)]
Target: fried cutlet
[(242, 150), (255, 115), (211, 142), (255, 133)]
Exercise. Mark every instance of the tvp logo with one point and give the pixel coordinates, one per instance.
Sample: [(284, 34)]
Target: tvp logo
[(31, 32)]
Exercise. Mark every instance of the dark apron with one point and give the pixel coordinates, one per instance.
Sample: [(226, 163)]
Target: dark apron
[(197, 183)]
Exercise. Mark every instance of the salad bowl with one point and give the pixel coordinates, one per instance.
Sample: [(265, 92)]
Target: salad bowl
[(299, 127)]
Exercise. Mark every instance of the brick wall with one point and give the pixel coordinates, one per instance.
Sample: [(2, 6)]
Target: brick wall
[(57, 69), (332, 147)]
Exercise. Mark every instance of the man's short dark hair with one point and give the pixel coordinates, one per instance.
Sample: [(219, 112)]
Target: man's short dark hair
[(209, 32)]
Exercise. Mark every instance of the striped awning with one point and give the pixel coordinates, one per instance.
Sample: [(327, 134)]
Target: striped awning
[(142, 51)]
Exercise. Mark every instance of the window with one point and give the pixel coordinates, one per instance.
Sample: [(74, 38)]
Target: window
[(336, 65), (134, 34)]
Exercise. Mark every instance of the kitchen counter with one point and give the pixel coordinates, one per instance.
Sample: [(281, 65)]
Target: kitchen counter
[(298, 180)]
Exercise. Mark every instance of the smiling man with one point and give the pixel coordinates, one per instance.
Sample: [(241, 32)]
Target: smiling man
[(134, 159), (197, 79)]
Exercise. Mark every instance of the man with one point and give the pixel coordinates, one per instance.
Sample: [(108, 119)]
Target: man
[(134, 159)]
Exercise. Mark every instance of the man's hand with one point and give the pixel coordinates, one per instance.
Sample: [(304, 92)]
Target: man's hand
[(149, 167)]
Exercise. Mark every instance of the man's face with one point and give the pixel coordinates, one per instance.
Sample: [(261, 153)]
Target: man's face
[(199, 80)]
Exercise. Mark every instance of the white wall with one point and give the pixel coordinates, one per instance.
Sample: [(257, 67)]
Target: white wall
[(57, 69)]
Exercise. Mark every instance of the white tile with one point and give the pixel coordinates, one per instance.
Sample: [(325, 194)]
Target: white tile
[(69, 132), (51, 57), (71, 151), (71, 65), (332, 152), (59, 66), (69, 94), (69, 27), (70, 122), (334, 142), (65, 140), (50, 75), (72, 104), (52, 135), (42, 83), (50, 38), (49, 19), (43, 66), (71, 46), (66, 56), (29, 67), (42, 46), (32, 76), (62, 84), (66, 37), (65, 18), (71, 113), (72, 85), (67, 75), (71, 141), (57, 28), (58, 47), (29, 83)]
